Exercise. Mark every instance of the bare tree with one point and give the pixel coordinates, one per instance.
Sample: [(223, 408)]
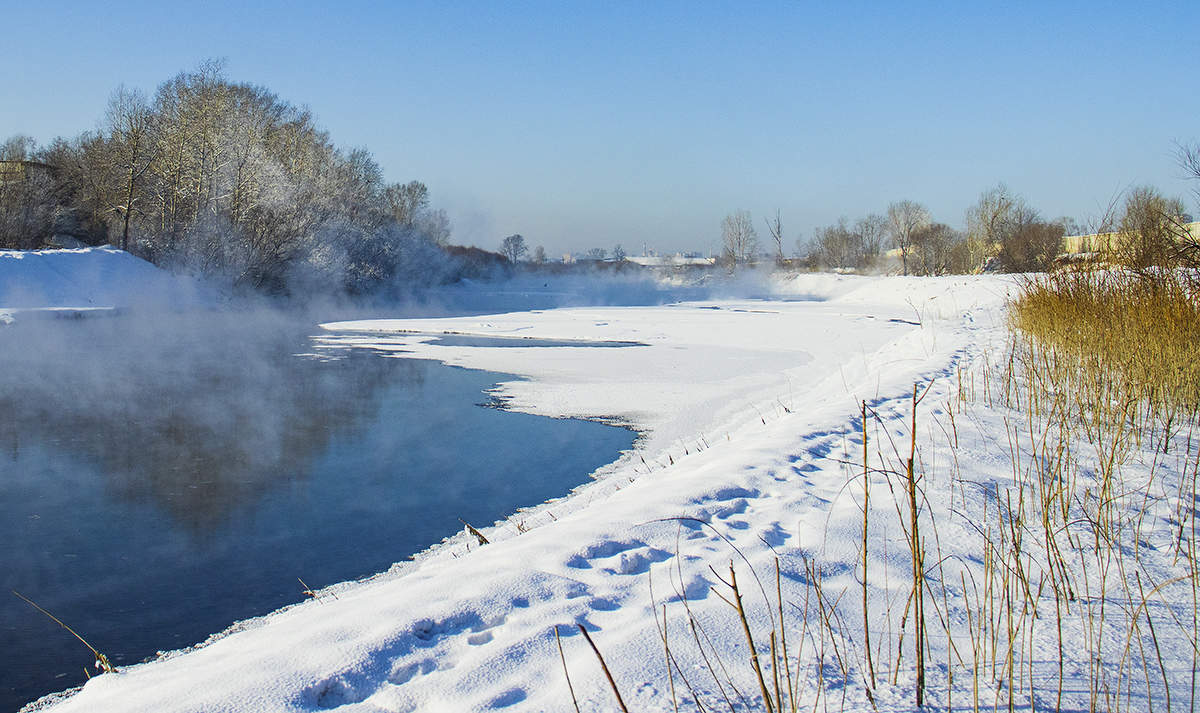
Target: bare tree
[(1153, 232), (775, 229), (1069, 225), (434, 225), (1189, 160), (82, 171), (870, 231), (936, 250), (843, 246), (539, 255), (18, 147), (738, 236), (407, 201), (1001, 222), (514, 248), (1030, 245), (835, 246), (30, 202), (130, 123), (988, 220), (905, 218)]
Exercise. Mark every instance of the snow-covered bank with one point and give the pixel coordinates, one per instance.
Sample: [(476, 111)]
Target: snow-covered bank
[(753, 458), (42, 283), (747, 406)]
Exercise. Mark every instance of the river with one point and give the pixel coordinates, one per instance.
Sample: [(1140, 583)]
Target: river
[(162, 478)]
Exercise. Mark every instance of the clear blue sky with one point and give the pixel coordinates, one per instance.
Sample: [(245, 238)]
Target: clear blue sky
[(590, 124)]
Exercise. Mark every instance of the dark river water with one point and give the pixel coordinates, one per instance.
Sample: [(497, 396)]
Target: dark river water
[(162, 478)]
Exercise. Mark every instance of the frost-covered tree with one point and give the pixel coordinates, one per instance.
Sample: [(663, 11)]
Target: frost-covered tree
[(228, 179), (129, 125)]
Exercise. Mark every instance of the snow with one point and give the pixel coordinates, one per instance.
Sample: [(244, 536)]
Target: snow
[(749, 410), (700, 366), (48, 283)]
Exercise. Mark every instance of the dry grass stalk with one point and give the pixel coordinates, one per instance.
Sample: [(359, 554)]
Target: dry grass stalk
[(102, 661), (607, 674), (563, 657), (918, 557), (866, 509), (754, 662), (476, 533)]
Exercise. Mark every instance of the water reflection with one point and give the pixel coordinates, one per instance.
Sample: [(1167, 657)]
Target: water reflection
[(161, 479), (197, 418)]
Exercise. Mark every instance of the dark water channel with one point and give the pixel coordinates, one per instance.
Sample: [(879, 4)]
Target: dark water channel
[(163, 478)]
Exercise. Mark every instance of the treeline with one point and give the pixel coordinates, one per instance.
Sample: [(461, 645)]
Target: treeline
[(1003, 233), (228, 180)]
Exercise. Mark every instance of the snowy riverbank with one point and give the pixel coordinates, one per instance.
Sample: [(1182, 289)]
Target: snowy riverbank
[(751, 455), (53, 283)]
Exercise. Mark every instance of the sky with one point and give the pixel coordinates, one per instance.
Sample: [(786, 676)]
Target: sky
[(592, 124)]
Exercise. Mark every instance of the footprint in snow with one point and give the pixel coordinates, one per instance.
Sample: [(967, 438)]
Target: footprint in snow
[(776, 536), (728, 508), (511, 697), (696, 589), (603, 604), (403, 674), (635, 556), (639, 562), (341, 691)]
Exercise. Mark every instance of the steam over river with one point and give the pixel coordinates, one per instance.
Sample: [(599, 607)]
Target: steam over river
[(163, 478)]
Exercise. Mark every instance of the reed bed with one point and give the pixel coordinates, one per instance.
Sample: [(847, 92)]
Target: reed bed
[(1114, 339)]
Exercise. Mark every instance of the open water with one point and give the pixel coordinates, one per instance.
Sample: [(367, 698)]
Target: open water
[(162, 478)]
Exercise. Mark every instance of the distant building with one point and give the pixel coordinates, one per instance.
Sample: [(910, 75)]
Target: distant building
[(1107, 242)]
